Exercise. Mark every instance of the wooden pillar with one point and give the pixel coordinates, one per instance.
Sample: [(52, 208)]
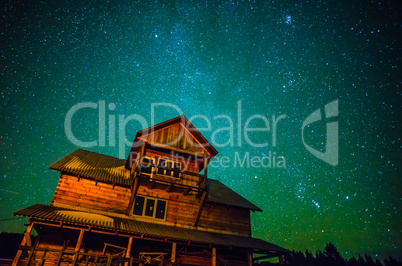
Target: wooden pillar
[(135, 175), (197, 218), (42, 260), (204, 183), (79, 242), (60, 255), (78, 246), (213, 256), (173, 258), (280, 259), (26, 240), (250, 258), (133, 194), (128, 252), (31, 253)]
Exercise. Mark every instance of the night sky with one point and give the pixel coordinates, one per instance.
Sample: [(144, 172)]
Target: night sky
[(211, 61)]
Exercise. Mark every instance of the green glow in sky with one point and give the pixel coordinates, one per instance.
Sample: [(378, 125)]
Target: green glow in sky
[(217, 59)]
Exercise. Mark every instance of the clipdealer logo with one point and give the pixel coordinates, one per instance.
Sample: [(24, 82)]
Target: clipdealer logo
[(238, 132), (331, 153)]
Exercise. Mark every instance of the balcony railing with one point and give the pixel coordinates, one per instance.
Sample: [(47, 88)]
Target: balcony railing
[(139, 163), (62, 256)]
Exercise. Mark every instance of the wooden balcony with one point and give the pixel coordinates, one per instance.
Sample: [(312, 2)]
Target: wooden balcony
[(177, 178)]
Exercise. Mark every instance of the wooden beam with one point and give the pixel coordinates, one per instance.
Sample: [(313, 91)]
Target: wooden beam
[(169, 188), (133, 193), (203, 182), (151, 185), (197, 219), (26, 240), (250, 258), (31, 253), (79, 242), (78, 245), (136, 178), (280, 259), (163, 146), (213, 257), (42, 260), (128, 252), (60, 255), (187, 191), (173, 258)]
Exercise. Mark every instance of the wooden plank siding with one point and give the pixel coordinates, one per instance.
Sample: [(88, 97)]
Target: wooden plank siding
[(90, 194), (228, 218), (176, 136), (182, 210)]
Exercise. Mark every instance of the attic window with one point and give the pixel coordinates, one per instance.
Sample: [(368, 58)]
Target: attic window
[(149, 207), (164, 163)]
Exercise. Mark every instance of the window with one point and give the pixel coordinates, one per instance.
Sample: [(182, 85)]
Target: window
[(160, 209), (149, 207), (138, 205), (163, 163), (146, 167)]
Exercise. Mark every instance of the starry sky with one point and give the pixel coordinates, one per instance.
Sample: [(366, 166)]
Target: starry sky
[(140, 62)]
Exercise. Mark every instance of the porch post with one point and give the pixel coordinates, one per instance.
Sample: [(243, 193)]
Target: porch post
[(26, 240), (78, 246), (173, 258), (128, 252), (280, 260), (213, 256), (250, 258)]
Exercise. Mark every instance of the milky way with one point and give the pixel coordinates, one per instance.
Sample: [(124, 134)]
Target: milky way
[(226, 65)]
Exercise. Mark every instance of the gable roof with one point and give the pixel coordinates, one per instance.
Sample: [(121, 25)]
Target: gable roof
[(132, 226), (200, 139), (219, 193), (109, 169)]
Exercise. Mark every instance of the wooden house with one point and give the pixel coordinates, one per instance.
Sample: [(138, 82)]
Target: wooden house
[(158, 207)]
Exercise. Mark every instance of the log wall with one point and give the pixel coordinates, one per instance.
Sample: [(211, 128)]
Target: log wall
[(183, 210), (223, 217), (91, 194)]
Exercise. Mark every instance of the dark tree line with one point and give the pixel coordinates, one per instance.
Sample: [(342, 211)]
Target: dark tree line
[(331, 257)]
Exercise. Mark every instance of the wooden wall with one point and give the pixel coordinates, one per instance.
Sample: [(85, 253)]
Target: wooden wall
[(182, 210), (89, 194), (223, 217), (175, 136)]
